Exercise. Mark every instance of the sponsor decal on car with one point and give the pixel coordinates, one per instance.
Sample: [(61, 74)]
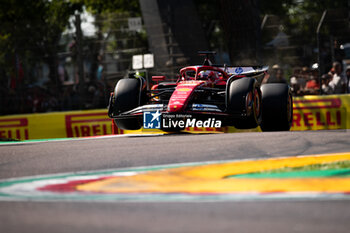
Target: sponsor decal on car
[(239, 70), (184, 89)]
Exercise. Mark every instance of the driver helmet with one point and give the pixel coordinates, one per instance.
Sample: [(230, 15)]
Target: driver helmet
[(189, 75), (207, 75)]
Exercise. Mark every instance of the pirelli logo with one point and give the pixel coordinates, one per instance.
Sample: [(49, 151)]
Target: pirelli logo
[(318, 114), (15, 128), (90, 124), (317, 103)]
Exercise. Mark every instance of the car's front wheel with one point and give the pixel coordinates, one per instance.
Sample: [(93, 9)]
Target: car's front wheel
[(127, 96)]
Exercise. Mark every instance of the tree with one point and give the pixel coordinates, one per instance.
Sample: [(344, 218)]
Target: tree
[(241, 24), (111, 6), (30, 31), (108, 15)]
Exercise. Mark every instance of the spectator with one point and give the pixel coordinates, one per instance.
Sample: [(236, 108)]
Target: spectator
[(326, 78), (100, 69), (90, 96), (66, 98), (36, 99), (314, 72), (70, 99), (294, 86), (312, 86), (347, 73), (100, 99), (276, 76), (338, 82), (295, 82), (304, 77)]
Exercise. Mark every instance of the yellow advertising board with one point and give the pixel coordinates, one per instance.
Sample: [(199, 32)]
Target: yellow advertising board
[(321, 112), (309, 113), (56, 125)]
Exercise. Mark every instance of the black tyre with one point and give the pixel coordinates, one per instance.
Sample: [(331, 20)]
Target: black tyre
[(127, 97), (244, 102), (277, 107), (128, 124)]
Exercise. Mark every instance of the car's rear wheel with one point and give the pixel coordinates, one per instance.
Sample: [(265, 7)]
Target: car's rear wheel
[(277, 105), (127, 97), (244, 103)]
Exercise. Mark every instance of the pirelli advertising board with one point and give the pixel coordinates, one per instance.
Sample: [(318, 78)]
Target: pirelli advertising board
[(309, 113), (321, 112), (56, 125)]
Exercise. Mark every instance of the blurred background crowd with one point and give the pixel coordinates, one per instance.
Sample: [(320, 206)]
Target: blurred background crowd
[(61, 55), (308, 81)]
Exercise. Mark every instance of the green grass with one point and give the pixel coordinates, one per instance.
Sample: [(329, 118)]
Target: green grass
[(313, 167), (335, 169)]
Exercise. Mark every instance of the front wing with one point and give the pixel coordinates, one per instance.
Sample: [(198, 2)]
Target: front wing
[(208, 114)]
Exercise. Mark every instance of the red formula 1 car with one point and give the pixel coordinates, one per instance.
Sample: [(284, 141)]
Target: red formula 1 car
[(208, 96)]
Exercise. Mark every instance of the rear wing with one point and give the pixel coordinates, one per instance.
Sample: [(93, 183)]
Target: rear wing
[(245, 70)]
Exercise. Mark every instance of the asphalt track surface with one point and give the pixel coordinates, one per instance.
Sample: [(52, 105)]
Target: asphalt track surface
[(18, 160)]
